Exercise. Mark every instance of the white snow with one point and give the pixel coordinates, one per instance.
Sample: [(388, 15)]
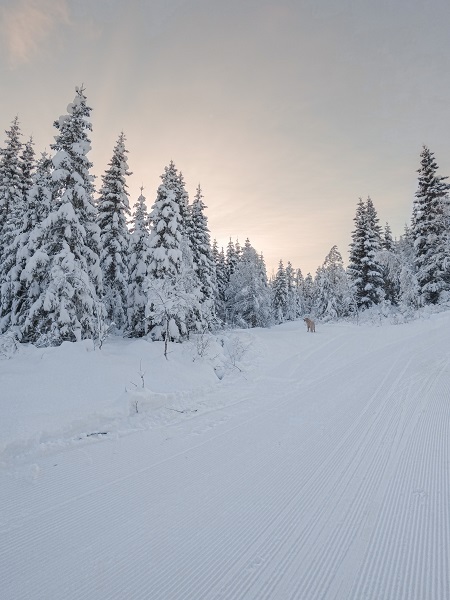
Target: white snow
[(315, 467)]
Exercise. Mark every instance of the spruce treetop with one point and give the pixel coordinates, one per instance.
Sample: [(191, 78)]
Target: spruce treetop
[(11, 182), (71, 146)]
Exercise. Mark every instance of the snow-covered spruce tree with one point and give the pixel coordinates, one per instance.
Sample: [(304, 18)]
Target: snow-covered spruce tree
[(221, 281), (263, 272), (183, 201), (355, 268), (445, 244), (166, 230), (428, 229), (387, 242), (15, 236), (65, 263), (139, 265), (389, 259), (173, 295), (28, 166), (279, 294), (364, 270), (299, 284), (265, 315), (291, 301), (38, 198), (113, 209), (187, 234), (215, 251), (37, 208), (238, 251), (231, 258), (409, 298), (308, 294), (231, 262), (11, 214), (332, 288), (249, 296), (10, 172), (174, 181), (375, 284), (194, 319), (202, 256)]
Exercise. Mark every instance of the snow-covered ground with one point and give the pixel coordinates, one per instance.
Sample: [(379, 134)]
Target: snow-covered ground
[(279, 465)]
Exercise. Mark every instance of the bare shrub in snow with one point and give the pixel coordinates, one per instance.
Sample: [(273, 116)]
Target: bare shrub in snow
[(235, 351)]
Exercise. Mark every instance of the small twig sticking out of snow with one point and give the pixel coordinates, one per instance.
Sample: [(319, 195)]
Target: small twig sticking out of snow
[(141, 373), (236, 350), (240, 371)]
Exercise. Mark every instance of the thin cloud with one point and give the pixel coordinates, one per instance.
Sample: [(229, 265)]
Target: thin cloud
[(25, 25)]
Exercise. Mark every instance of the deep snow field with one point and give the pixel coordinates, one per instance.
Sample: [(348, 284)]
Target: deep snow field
[(262, 464)]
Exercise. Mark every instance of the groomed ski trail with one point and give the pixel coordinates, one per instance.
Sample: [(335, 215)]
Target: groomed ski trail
[(324, 476)]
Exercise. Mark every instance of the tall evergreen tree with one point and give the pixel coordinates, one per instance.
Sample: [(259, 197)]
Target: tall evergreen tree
[(12, 208), (238, 250), (291, 301), (16, 233), (409, 297), (263, 270), (280, 294), (173, 305), (11, 176), (299, 283), (166, 229), (358, 251), (332, 288), (139, 268), (66, 260), (182, 198), (308, 294), (28, 166), (113, 209), (202, 254), (38, 198), (389, 259), (364, 269), (375, 283), (222, 283), (387, 242), (429, 229), (232, 258), (247, 293), (29, 275), (174, 181)]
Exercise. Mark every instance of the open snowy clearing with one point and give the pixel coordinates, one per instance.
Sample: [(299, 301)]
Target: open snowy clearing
[(281, 465)]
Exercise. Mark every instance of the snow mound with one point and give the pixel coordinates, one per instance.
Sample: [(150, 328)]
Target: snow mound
[(54, 397)]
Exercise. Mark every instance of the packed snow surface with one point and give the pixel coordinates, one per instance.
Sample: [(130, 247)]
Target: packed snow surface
[(267, 464)]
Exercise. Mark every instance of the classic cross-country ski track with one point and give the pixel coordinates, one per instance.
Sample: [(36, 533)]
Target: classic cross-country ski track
[(320, 473)]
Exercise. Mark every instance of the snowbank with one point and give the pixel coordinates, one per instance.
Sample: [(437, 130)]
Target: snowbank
[(56, 396)]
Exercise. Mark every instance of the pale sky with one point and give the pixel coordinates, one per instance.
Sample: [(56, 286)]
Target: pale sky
[(285, 111)]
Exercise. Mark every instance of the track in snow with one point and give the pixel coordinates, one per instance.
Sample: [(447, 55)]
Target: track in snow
[(325, 477)]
